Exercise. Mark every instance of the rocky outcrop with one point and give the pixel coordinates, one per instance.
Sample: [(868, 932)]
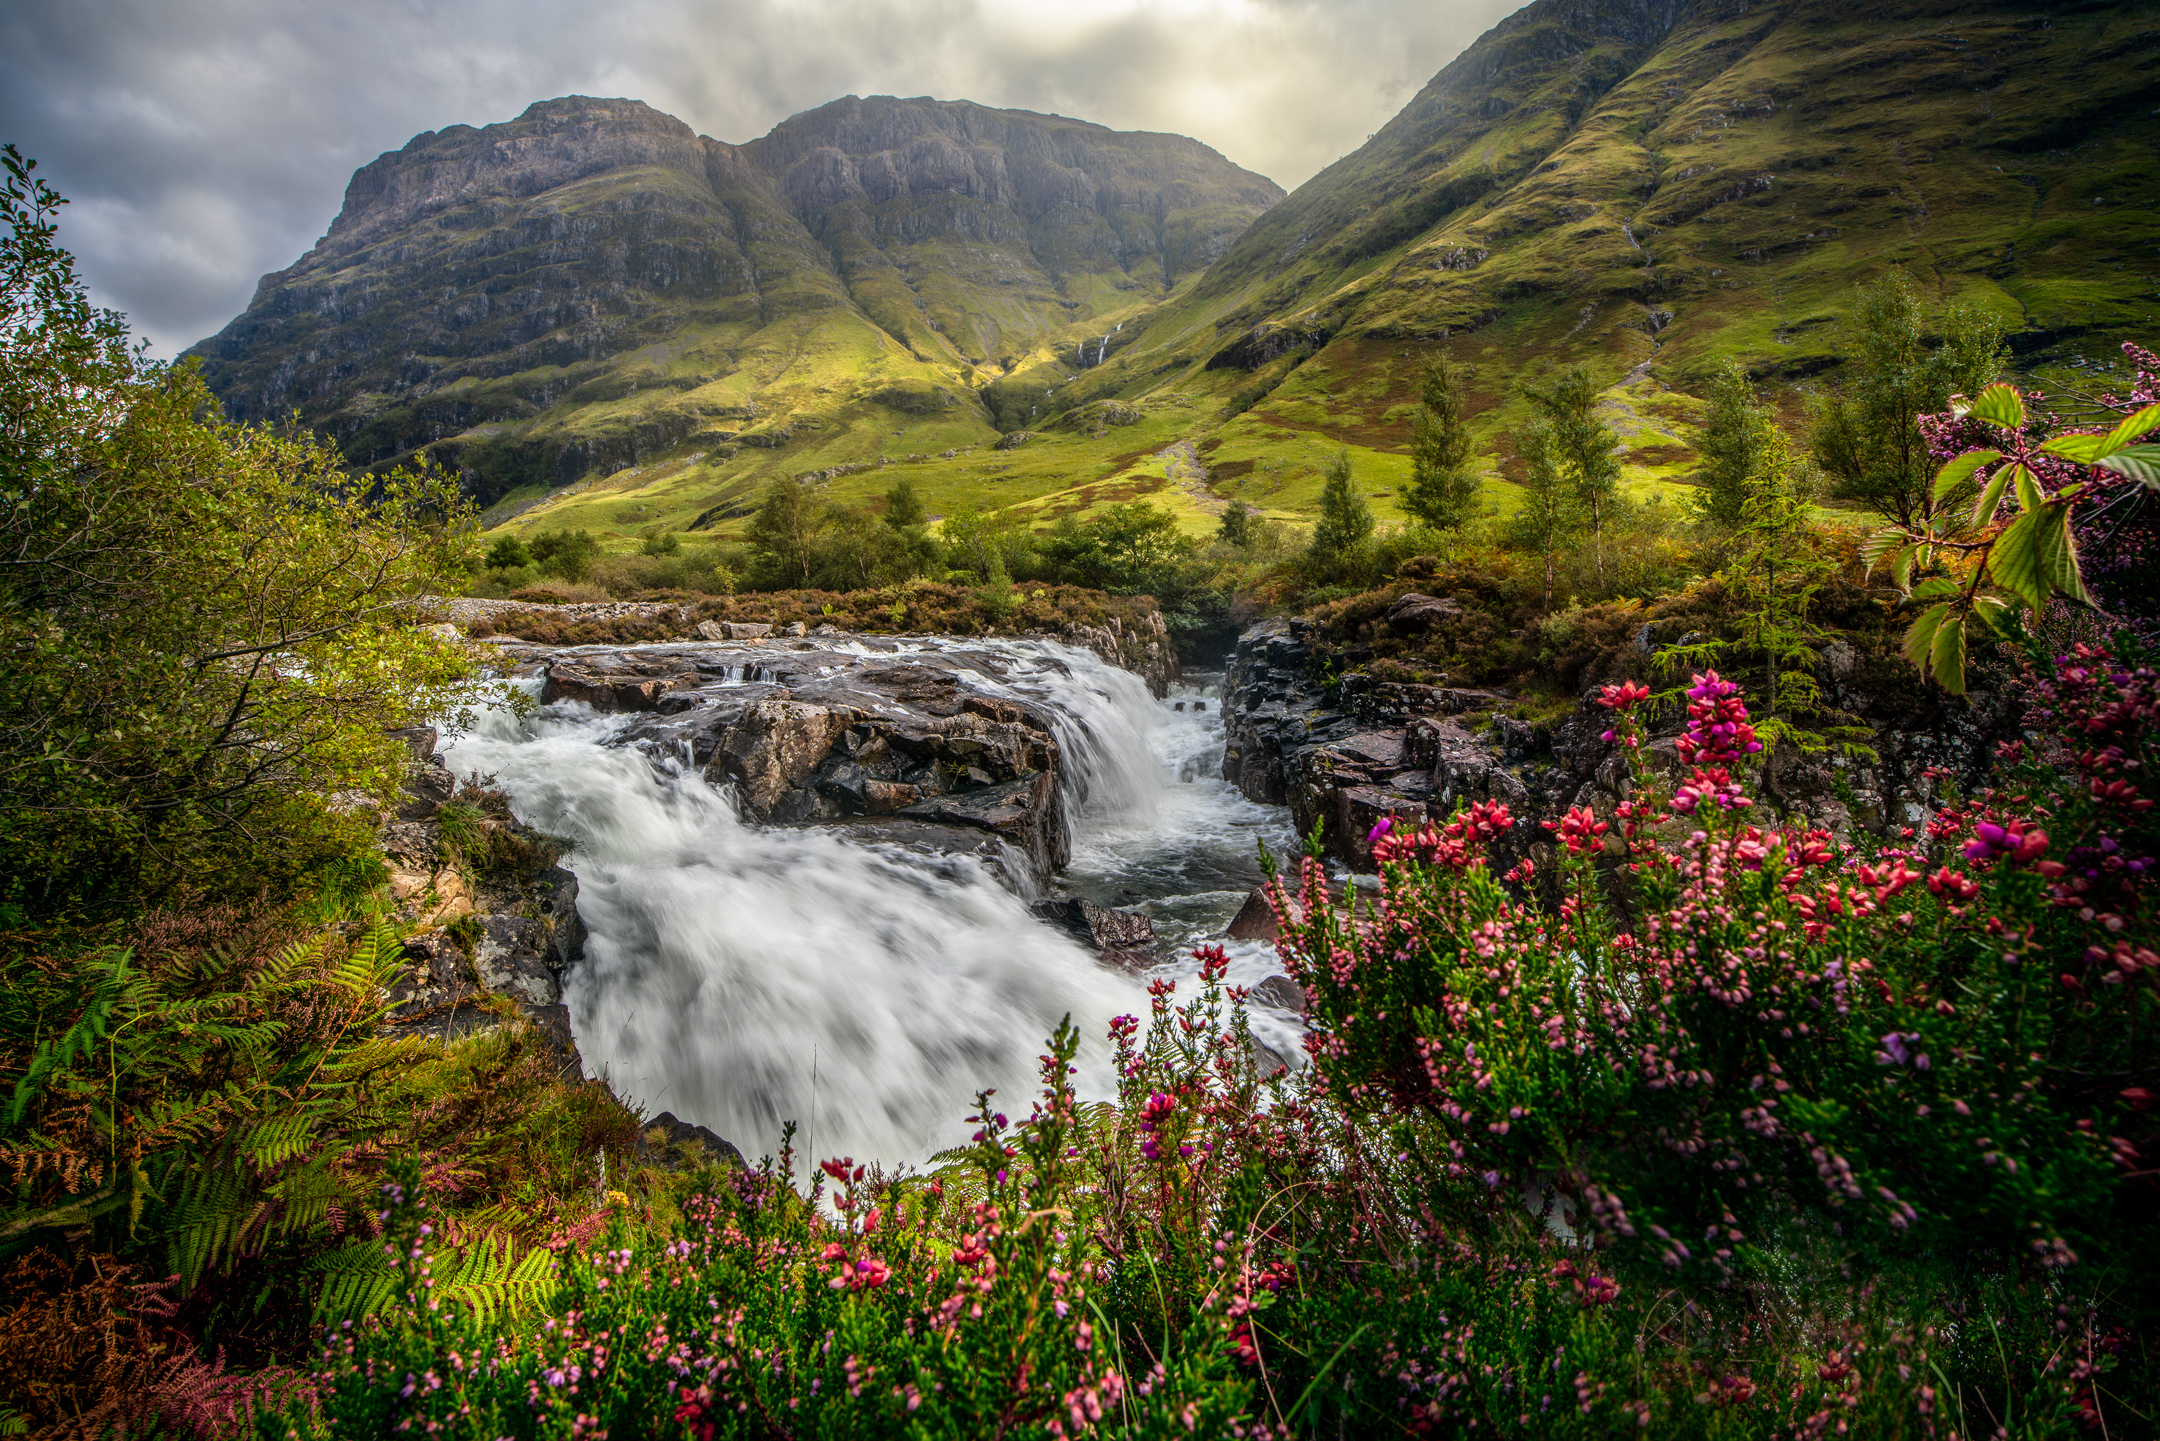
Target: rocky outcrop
[(918, 741), (493, 922), (1346, 756), (1119, 938)]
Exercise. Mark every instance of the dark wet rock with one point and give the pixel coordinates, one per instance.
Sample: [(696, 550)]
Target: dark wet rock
[(667, 1138), (808, 734), (614, 684), (1120, 938), (1280, 993), (1350, 755), (421, 739), (1255, 920), (1024, 813)]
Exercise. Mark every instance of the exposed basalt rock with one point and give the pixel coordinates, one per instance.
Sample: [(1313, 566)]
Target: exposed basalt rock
[(669, 1141), (486, 945), (1353, 754), (1119, 938), (806, 733), (1281, 993)]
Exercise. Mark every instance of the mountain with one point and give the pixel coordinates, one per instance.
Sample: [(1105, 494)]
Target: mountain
[(593, 283), (620, 324), (1660, 182)]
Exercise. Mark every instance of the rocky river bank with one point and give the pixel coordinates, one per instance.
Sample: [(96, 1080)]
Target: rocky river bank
[(1345, 752)]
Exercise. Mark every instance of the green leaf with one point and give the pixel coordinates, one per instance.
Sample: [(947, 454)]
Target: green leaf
[(1999, 405), (2013, 563), (1958, 471), (1992, 611), (1946, 655), (1880, 542), (2120, 437), (2030, 496), (1940, 587), (1990, 501), (1901, 568), (1920, 636), (2036, 558), (2055, 553), (2084, 449), (2140, 462)]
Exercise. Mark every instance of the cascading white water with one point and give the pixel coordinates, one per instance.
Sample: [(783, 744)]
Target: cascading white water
[(743, 977)]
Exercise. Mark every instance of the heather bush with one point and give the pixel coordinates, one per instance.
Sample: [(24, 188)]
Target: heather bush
[(1751, 1134)]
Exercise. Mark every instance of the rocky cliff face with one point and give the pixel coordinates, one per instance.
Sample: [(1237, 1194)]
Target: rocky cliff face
[(1344, 756), (994, 228), (593, 283)]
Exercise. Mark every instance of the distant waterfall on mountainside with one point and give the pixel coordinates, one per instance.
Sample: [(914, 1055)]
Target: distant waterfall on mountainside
[(743, 977)]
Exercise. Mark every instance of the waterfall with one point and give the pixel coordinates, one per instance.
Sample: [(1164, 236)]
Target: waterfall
[(727, 962)]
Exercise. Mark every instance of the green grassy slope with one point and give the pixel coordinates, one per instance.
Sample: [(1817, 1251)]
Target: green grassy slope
[(1643, 185)]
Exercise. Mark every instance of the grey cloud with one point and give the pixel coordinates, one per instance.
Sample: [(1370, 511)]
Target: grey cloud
[(205, 142)]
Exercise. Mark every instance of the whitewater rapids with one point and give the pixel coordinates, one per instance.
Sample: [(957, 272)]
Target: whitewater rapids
[(744, 976)]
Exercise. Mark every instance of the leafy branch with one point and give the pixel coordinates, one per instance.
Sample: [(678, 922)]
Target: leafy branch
[(2013, 546)]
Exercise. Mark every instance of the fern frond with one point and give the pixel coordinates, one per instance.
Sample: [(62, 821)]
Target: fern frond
[(488, 1284), (359, 1280), (276, 1141)]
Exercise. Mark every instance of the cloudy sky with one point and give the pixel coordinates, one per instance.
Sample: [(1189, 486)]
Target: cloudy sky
[(204, 142)]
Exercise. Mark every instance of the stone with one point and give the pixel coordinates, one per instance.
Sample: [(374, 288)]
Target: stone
[(612, 690), (1123, 939), (745, 629), (700, 1142), (776, 744), (796, 628), (421, 740), (424, 790), (1024, 812), (1255, 920), (1419, 612), (1279, 993), (711, 630)]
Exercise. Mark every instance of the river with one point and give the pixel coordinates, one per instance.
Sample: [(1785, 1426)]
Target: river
[(743, 976)]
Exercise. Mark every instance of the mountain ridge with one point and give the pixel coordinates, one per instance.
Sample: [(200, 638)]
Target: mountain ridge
[(1640, 185)]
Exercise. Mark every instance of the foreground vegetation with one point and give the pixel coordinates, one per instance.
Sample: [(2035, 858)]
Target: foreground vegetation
[(1720, 1126)]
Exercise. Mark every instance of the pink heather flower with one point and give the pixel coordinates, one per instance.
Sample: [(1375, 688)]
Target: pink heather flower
[(1624, 696), (1386, 824), (1718, 732)]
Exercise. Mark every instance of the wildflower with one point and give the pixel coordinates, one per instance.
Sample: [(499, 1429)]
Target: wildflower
[(1624, 696), (1580, 830)]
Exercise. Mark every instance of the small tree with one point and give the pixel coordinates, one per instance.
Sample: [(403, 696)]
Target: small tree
[(1237, 525), (1551, 513), (1443, 489), (783, 535), (205, 629), (1733, 440), (1580, 447), (566, 554), (1346, 520), (1866, 435), (906, 518), (1772, 580), (903, 507), (508, 553), (988, 542)]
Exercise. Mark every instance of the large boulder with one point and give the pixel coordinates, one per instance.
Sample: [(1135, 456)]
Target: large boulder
[(1119, 938)]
